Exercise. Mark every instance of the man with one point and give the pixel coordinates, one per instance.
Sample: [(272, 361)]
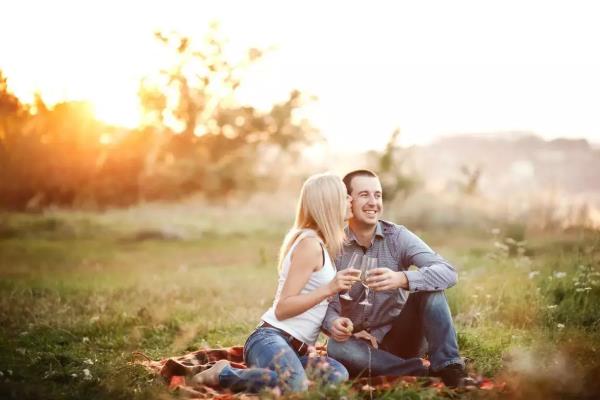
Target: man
[(388, 337)]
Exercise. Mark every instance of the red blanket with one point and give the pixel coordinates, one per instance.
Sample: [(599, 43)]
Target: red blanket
[(173, 370)]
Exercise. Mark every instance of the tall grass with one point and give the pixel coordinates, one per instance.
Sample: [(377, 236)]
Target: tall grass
[(82, 291)]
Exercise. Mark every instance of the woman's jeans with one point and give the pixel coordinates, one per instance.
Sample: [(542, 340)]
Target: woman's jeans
[(272, 362)]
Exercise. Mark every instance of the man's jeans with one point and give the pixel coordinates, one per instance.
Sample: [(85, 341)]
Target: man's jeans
[(273, 363), (425, 321)]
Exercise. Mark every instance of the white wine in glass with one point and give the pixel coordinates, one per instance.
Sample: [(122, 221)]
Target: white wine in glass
[(368, 264), (355, 263)]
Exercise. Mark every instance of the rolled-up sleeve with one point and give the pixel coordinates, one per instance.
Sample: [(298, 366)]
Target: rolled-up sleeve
[(433, 273), (333, 312)]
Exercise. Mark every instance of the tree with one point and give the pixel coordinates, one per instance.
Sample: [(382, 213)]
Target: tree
[(204, 139), (391, 168)]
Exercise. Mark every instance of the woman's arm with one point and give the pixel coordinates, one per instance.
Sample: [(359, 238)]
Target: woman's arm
[(307, 257)]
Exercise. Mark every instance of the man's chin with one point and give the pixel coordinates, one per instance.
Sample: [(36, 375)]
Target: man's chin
[(369, 221)]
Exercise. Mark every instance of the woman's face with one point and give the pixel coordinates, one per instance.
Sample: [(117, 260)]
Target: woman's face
[(348, 207)]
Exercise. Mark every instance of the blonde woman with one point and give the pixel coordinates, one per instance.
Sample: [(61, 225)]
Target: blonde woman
[(277, 351)]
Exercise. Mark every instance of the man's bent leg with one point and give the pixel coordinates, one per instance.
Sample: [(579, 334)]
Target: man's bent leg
[(425, 315), (359, 357)]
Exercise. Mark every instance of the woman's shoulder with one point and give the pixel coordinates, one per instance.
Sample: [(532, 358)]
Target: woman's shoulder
[(309, 241)]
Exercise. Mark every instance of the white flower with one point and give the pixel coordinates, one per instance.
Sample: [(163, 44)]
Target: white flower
[(552, 307), (579, 290), (74, 375), (533, 274), (560, 326), (88, 361), (560, 275), (85, 339), (86, 374)]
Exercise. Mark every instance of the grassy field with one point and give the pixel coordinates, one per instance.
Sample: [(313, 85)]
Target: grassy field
[(79, 292)]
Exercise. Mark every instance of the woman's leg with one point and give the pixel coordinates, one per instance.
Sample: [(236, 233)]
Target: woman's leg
[(266, 348), (251, 380)]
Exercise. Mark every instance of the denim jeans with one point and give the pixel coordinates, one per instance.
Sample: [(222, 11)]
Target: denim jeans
[(272, 362), (423, 325)]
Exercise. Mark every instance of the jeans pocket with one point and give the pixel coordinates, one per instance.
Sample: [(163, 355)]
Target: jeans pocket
[(262, 336)]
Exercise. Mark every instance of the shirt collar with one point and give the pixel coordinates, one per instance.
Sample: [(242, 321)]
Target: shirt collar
[(378, 232)]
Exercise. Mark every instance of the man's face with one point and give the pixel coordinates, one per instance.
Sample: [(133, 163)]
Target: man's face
[(367, 203)]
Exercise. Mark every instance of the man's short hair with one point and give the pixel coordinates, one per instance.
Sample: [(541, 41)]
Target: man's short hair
[(358, 172)]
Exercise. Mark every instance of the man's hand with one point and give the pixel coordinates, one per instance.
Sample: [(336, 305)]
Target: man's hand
[(341, 329), (385, 279), (368, 337)]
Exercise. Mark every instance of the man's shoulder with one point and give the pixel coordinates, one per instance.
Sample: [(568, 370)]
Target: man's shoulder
[(392, 229)]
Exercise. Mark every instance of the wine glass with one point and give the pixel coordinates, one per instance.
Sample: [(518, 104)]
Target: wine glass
[(354, 263), (368, 264)]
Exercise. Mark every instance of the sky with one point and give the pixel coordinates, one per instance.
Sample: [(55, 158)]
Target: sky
[(430, 68)]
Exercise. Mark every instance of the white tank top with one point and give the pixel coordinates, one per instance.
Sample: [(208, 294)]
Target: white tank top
[(307, 325)]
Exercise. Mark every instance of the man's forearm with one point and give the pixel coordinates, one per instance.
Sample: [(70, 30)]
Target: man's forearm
[(432, 278), (333, 313)]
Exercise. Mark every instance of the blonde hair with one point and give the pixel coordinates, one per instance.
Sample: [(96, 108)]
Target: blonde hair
[(322, 208)]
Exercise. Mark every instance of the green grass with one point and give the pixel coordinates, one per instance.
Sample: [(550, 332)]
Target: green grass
[(82, 291)]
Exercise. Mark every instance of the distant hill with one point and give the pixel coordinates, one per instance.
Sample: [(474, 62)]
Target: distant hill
[(511, 162)]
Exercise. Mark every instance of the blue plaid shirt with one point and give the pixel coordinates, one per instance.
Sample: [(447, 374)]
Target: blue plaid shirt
[(396, 248)]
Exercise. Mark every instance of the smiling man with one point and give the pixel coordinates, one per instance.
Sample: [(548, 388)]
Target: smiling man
[(409, 315)]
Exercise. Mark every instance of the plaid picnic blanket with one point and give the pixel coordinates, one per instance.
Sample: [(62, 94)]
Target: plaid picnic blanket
[(173, 370)]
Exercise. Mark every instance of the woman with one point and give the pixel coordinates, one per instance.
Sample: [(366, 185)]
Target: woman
[(277, 351)]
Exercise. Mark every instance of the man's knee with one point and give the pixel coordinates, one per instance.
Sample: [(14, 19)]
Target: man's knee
[(429, 301)]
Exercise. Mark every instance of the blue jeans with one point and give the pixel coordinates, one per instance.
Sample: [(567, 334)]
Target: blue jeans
[(423, 325), (272, 362)]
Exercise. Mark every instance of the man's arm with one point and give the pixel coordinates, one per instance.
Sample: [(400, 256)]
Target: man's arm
[(333, 313), (337, 327), (434, 272)]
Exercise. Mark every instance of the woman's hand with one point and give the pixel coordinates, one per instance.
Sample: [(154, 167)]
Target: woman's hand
[(344, 280)]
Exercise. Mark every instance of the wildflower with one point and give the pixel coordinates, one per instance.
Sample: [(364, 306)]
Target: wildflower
[(560, 326), (579, 290), (533, 274), (552, 307), (501, 246), (560, 275), (74, 375), (86, 374), (88, 361), (587, 289), (85, 339)]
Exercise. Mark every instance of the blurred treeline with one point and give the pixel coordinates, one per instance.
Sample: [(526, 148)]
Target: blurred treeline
[(194, 137)]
